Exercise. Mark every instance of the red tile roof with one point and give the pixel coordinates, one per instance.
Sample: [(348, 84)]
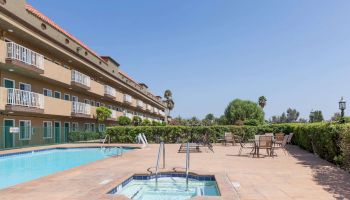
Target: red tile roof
[(43, 17)]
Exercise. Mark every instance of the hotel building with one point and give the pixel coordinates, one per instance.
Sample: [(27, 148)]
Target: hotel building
[(51, 83)]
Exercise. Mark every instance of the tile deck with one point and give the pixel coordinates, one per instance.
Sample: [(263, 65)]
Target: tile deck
[(294, 175)]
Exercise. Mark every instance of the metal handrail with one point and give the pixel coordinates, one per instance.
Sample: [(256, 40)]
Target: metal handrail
[(161, 147), (187, 163)]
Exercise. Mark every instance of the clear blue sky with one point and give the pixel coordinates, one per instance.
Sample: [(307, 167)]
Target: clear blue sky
[(295, 52)]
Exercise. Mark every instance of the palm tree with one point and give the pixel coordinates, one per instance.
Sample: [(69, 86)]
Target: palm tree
[(262, 101), (168, 95)]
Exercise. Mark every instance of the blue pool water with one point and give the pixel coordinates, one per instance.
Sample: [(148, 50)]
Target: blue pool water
[(169, 187), (20, 168)]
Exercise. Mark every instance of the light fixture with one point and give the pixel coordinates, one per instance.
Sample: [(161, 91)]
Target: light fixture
[(70, 88), (10, 30), (69, 61), (11, 70), (342, 107), (10, 112)]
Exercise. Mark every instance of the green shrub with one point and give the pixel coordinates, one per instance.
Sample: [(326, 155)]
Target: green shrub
[(84, 136), (124, 121), (146, 122), (331, 141), (136, 120)]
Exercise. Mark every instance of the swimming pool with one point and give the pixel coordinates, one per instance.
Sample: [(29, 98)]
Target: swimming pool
[(170, 186), (22, 167)]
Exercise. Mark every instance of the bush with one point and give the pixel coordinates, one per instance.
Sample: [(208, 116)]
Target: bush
[(243, 110), (331, 141), (136, 120), (146, 122), (124, 121), (84, 136)]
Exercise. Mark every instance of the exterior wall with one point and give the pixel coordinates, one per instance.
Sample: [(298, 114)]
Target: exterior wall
[(56, 72)]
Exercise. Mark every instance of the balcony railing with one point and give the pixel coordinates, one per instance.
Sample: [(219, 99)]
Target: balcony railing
[(149, 107), (155, 110), (110, 91), (81, 108), (81, 78), (24, 98), (140, 104), (161, 113), (25, 55), (127, 98)]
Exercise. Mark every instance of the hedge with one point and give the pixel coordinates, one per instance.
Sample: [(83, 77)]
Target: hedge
[(328, 140), (84, 136)]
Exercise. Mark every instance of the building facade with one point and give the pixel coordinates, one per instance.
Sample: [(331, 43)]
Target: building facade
[(51, 83)]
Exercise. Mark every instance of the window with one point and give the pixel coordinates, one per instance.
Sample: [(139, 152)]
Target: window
[(93, 129), (9, 83), (110, 107), (75, 126), (87, 101), (92, 103), (47, 92), (101, 127), (25, 86), (67, 97), (74, 98), (97, 104), (47, 129), (87, 127), (57, 95), (25, 129)]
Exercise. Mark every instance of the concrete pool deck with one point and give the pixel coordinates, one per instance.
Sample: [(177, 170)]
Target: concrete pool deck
[(295, 175)]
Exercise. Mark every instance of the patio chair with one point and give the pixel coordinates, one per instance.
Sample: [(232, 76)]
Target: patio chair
[(193, 147), (290, 136), (249, 145), (279, 137), (265, 142), (269, 134), (228, 138), (282, 146)]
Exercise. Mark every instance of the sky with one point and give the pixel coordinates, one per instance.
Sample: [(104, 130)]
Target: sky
[(294, 52)]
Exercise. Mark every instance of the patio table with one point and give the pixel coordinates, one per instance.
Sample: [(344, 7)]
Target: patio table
[(256, 144)]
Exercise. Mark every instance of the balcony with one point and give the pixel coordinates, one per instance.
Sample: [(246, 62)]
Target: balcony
[(149, 108), (110, 92), (24, 58), (80, 80), (80, 109), (155, 110), (140, 104), (24, 101), (161, 113), (127, 99), (113, 116)]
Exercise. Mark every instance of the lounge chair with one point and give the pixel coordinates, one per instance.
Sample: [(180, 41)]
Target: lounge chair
[(194, 148)]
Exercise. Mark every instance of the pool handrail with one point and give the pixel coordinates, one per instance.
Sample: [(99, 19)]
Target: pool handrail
[(187, 163)]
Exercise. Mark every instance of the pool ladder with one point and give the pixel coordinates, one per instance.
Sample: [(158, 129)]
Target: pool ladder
[(187, 163), (161, 148)]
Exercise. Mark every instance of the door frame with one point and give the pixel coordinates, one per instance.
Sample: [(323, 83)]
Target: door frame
[(13, 136), (59, 138), (64, 131)]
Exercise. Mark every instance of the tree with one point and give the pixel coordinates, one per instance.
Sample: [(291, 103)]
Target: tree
[(124, 121), (136, 120), (243, 110), (221, 120), (102, 114), (316, 116), (209, 120), (292, 115), (262, 101), (194, 121), (168, 95), (336, 117)]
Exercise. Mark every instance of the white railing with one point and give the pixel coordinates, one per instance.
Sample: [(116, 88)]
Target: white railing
[(81, 78), (140, 103), (161, 113), (127, 98), (110, 91), (149, 107), (129, 115), (81, 108), (155, 110), (25, 98), (25, 55), (114, 114)]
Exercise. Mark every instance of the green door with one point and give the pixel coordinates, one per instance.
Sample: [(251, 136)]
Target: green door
[(9, 83), (8, 123), (57, 132), (66, 131)]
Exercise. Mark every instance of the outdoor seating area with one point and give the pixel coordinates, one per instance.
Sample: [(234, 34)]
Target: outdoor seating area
[(268, 141)]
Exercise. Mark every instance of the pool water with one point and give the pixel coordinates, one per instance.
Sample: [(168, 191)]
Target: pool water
[(169, 188), (19, 168)]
